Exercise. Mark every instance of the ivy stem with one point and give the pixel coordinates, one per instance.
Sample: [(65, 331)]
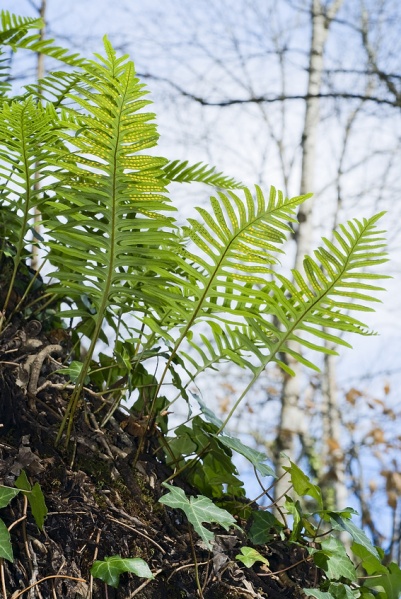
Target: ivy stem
[(198, 584)]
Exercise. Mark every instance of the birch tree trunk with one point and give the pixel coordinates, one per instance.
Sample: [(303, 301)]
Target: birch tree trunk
[(40, 73), (293, 424)]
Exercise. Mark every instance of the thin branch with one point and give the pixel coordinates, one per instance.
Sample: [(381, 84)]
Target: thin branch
[(270, 99)]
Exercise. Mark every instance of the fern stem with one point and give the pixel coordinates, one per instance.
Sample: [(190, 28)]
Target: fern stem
[(191, 321), (68, 418)]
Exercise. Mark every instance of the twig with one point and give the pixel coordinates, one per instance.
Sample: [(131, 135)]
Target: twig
[(264, 491), (206, 574), (3, 580), (99, 532), (198, 584), (136, 531), (35, 569), (237, 590), (191, 565), (47, 578), (278, 498), (26, 545), (275, 503), (144, 584), (308, 558), (16, 522)]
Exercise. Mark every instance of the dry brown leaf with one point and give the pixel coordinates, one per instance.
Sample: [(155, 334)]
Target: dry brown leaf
[(352, 395)]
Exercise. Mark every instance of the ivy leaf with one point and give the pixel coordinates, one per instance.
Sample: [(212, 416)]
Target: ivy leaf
[(356, 533), (73, 371), (369, 562), (38, 506), (22, 482), (35, 498), (6, 549), (7, 494), (110, 569), (250, 556), (207, 412), (342, 591), (388, 584), (295, 509), (318, 594), (262, 522), (303, 485), (182, 444), (177, 382), (333, 559), (198, 510), (336, 591), (255, 457)]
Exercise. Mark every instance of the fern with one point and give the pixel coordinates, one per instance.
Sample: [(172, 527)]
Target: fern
[(115, 251), (14, 28), (15, 32), (236, 246), (224, 345), (73, 147), (182, 173), (56, 87), (233, 253), (307, 305), (108, 230), (4, 75), (26, 136), (319, 300)]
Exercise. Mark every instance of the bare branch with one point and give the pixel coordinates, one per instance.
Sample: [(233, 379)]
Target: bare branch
[(270, 99)]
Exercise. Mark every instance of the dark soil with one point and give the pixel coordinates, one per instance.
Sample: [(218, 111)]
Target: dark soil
[(101, 505)]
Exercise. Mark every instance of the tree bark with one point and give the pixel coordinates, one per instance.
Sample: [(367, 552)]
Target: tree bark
[(40, 73), (292, 423)]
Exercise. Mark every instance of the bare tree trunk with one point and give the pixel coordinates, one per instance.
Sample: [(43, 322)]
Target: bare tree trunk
[(40, 73), (332, 452), (292, 421)]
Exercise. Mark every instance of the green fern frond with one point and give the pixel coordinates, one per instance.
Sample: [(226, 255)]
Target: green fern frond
[(15, 32), (56, 87), (26, 135), (180, 172), (109, 234), (305, 306), (320, 300), (236, 246), (5, 85), (34, 43), (13, 28), (117, 197), (224, 345)]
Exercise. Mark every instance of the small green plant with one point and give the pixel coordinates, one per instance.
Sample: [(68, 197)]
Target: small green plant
[(36, 502), (250, 556), (198, 510), (110, 569), (76, 148), (313, 531)]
